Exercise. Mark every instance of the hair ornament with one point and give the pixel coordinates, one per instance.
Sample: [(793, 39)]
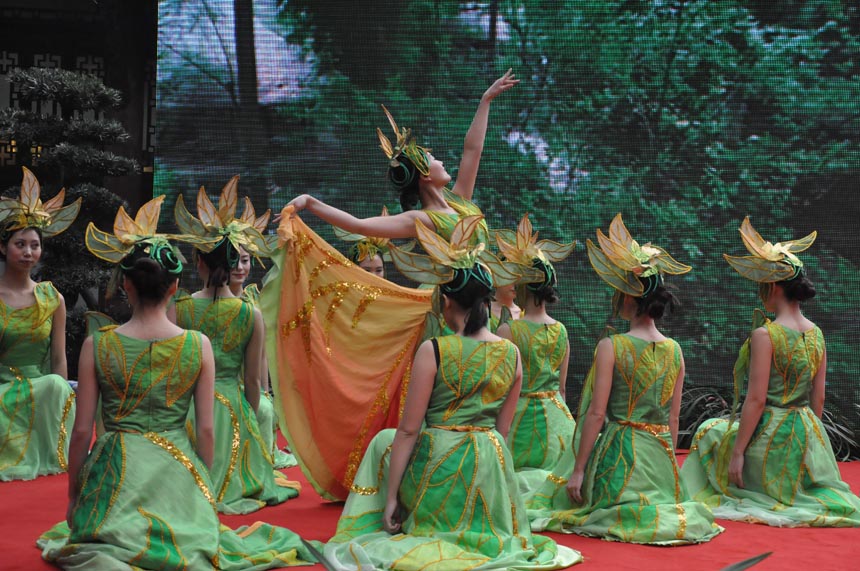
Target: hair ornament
[(28, 211), (768, 262), (632, 269)]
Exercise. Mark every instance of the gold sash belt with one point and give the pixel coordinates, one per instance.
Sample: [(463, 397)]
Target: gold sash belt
[(542, 395), (465, 428), (655, 429)]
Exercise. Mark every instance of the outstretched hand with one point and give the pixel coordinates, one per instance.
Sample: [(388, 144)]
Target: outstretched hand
[(501, 85), (298, 203)]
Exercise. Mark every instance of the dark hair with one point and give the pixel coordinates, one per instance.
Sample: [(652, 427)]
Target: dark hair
[(657, 304), (799, 288), (544, 292), (474, 296), (151, 280), (405, 177), (220, 261), (6, 235)]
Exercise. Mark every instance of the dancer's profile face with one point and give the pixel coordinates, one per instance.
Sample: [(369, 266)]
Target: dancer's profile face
[(373, 265), (506, 294), (438, 175)]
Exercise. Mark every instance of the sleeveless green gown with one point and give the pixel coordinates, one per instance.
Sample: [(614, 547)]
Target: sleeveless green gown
[(459, 489), (266, 417), (632, 491), (37, 408), (543, 426), (790, 473), (146, 500), (242, 470)]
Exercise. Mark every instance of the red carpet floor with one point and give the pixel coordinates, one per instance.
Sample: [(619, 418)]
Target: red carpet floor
[(28, 508)]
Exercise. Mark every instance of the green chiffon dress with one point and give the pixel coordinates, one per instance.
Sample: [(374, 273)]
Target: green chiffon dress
[(543, 426), (790, 473), (145, 498), (458, 491), (266, 417), (631, 491), (37, 409), (242, 469)]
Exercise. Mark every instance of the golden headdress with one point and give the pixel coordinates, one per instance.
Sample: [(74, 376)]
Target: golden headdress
[(534, 258), (768, 262), (622, 263), (139, 234), (221, 223), (367, 247), (51, 217), (444, 258), (405, 145)]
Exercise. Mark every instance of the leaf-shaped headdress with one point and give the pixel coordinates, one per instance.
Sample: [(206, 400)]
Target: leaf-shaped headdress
[(622, 263), (367, 247), (406, 146), (533, 257), (444, 258), (51, 217), (221, 223), (768, 262), (138, 235)]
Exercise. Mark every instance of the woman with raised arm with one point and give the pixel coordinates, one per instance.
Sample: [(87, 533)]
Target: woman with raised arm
[(324, 315), (38, 405), (421, 179), (242, 469), (543, 427), (445, 495), (776, 466), (620, 481), (141, 497)]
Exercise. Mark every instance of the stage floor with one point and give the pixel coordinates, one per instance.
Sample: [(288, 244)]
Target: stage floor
[(28, 508)]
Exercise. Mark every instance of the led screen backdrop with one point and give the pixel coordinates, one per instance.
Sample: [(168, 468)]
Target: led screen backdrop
[(683, 116)]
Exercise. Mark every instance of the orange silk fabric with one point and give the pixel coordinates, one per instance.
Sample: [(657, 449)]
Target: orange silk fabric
[(340, 343)]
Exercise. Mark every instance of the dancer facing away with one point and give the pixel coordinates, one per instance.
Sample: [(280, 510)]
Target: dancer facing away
[(142, 497), (776, 466), (543, 427), (624, 483), (444, 493), (38, 403), (242, 468), (422, 179)]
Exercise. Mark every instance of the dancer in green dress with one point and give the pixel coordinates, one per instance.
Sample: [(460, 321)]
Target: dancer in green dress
[(266, 417), (420, 178), (776, 466), (440, 492), (543, 427), (242, 468), (141, 498), (504, 306), (37, 405), (620, 481)]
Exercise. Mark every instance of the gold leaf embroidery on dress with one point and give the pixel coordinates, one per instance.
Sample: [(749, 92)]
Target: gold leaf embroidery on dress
[(181, 457), (234, 444), (61, 440)]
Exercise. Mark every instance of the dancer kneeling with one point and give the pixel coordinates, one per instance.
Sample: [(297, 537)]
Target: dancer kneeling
[(448, 488), (38, 405), (777, 467), (142, 497), (242, 467), (543, 426), (624, 484)]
